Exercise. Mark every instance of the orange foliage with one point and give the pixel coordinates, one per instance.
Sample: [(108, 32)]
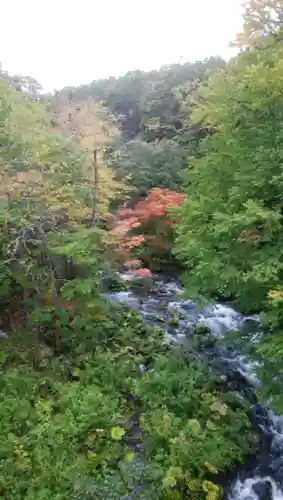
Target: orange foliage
[(154, 207), (124, 226), (156, 204)]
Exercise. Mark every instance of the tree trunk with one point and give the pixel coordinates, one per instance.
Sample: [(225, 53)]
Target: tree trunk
[(95, 187)]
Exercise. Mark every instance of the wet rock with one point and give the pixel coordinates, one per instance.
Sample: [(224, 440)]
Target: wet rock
[(263, 490), (163, 306), (141, 285), (174, 320), (277, 468), (126, 298), (254, 440), (189, 330), (188, 305), (254, 488), (260, 416), (112, 282), (204, 337), (158, 318)]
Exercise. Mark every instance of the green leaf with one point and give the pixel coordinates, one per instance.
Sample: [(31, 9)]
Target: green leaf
[(129, 457), (208, 486), (219, 407), (169, 482), (194, 426), (175, 472), (117, 433), (193, 484), (211, 425), (212, 495)]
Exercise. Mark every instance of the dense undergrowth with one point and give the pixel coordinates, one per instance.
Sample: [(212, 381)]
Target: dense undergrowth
[(88, 422)]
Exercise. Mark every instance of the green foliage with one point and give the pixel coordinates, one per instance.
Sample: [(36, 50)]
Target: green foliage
[(73, 422), (44, 206), (30, 87), (150, 164), (179, 413), (141, 100), (230, 231)]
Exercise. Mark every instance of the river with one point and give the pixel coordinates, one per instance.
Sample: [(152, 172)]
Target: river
[(261, 478)]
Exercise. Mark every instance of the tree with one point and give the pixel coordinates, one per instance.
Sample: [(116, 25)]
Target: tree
[(29, 86), (150, 110), (42, 197), (230, 231), (149, 164), (146, 227), (145, 103), (263, 23), (74, 380), (231, 219), (91, 126)]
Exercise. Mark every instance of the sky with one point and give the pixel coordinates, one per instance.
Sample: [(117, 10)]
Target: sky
[(70, 42)]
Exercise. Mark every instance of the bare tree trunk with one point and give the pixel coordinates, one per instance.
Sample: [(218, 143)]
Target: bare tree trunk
[(95, 186)]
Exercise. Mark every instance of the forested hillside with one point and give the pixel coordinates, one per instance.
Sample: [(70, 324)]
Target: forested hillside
[(152, 112), (108, 191)]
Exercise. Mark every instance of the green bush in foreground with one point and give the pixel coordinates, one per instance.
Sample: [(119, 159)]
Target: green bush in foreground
[(92, 426)]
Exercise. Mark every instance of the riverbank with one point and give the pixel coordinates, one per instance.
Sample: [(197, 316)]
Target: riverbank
[(115, 413), (260, 477)]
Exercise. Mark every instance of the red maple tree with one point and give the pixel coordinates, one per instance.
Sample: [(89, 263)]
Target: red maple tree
[(131, 226)]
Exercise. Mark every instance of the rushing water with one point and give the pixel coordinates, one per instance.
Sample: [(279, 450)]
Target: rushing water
[(262, 477)]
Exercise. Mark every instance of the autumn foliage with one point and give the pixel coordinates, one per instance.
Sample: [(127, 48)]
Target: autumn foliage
[(147, 223), (156, 204)]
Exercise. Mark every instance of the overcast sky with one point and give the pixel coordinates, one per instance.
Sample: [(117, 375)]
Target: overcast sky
[(68, 42)]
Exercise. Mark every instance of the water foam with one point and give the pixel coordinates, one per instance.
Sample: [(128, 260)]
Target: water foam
[(244, 490)]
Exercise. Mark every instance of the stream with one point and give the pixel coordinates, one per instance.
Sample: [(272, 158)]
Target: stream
[(261, 477)]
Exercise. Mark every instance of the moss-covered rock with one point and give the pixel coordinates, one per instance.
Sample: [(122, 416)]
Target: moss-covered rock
[(113, 282), (158, 318), (174, 320), (202, 329), (163, 306), (203, 336), (141, 285)]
